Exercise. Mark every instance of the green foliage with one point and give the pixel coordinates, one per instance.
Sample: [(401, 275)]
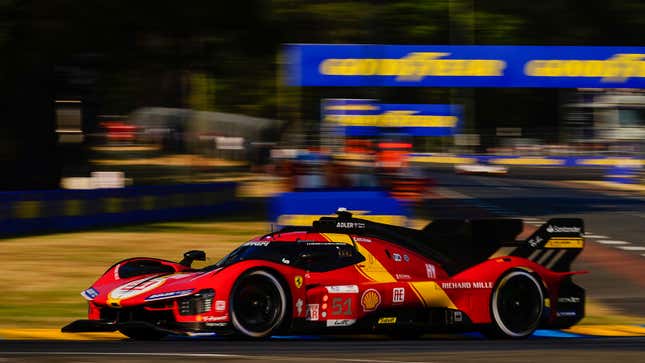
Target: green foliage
[(144, 49)]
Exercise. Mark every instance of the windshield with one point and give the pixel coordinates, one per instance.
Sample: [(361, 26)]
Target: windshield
[(308, 255)]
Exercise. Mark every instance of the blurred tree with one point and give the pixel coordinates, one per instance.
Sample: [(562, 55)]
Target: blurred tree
[(127, 54)]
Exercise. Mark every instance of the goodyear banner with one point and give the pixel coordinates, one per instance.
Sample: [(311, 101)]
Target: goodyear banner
[(352, 117), (465, 66)]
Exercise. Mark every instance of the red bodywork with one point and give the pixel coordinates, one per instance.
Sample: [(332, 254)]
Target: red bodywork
[(367, 295)]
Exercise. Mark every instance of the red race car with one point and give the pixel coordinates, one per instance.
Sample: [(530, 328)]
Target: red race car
[(345, 274)]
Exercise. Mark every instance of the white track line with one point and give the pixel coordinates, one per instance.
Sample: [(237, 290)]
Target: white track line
[(632, 248), (612, 242), (595, 236), (210, 355)]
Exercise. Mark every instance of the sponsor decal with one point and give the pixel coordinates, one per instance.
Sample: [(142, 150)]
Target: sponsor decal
[(387, 320), (566, 313), (558, 229), (467, 285), (340, 322), (90, 293), (299, 305), (396, 257), (412, 67), (406, 258), (350, 225), (402, 277), (316, 243), (313, 312), (377, 65), (210, 318), (431, 271), (341, 306), (565, 242), (398, 295), (217, 324), (298, 281), (535, 241), (370, 300), (136, 287), (570, 299), (342, 289), (220, 305), (257, 243), (458, 317), (324, 314), (170, 294), (362, 239)]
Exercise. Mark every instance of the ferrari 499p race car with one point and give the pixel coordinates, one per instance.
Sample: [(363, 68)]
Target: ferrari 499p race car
[(345, 274)]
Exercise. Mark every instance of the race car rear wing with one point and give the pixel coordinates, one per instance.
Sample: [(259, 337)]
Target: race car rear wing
[(554, 245), (468, 242), (458, 244)]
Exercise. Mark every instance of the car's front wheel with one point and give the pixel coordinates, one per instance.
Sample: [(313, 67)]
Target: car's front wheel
[(258, 304), (516, 306)]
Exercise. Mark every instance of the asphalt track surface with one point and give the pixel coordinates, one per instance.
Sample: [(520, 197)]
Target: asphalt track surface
[(331, 350)]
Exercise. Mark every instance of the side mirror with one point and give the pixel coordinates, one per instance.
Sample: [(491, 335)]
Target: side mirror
[(194, 255)]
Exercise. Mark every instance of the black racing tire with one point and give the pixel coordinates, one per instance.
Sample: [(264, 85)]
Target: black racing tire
[(516, 306), (258, 304), (142, 333)]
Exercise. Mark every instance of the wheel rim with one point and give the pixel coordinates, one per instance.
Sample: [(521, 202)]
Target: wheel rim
[(518, 304), (257, 304)]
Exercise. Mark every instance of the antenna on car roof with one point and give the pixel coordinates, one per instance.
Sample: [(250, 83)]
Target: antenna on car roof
[(343, 213)]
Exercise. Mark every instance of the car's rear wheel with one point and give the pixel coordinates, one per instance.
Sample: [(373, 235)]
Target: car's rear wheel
[(142, 333), (258, 304), (516, 306)]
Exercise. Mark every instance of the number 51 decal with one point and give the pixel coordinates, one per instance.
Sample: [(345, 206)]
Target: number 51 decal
[(341, 306)]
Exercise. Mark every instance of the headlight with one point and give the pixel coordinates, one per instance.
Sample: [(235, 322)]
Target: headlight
[(199, 303), (167, 295)]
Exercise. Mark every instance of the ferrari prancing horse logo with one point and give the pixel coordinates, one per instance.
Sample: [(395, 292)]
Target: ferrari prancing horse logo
[(298, 281)]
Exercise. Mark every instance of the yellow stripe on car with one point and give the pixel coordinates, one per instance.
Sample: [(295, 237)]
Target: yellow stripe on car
[(431, 295), (371, 268)]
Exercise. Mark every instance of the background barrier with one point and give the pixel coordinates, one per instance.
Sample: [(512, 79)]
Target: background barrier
[(597, 161), (304, 207), (28, 212)]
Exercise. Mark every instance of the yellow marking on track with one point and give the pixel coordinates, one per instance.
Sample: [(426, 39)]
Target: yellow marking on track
[(640, 188), (608, 330), (55, 334), (372, 269), (613, 161), (432, 295), (526, 161)]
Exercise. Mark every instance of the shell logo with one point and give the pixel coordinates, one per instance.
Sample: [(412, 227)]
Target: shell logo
[(370, 300)]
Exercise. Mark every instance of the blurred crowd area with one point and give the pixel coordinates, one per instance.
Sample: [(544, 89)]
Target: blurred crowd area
[(163, 93)]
